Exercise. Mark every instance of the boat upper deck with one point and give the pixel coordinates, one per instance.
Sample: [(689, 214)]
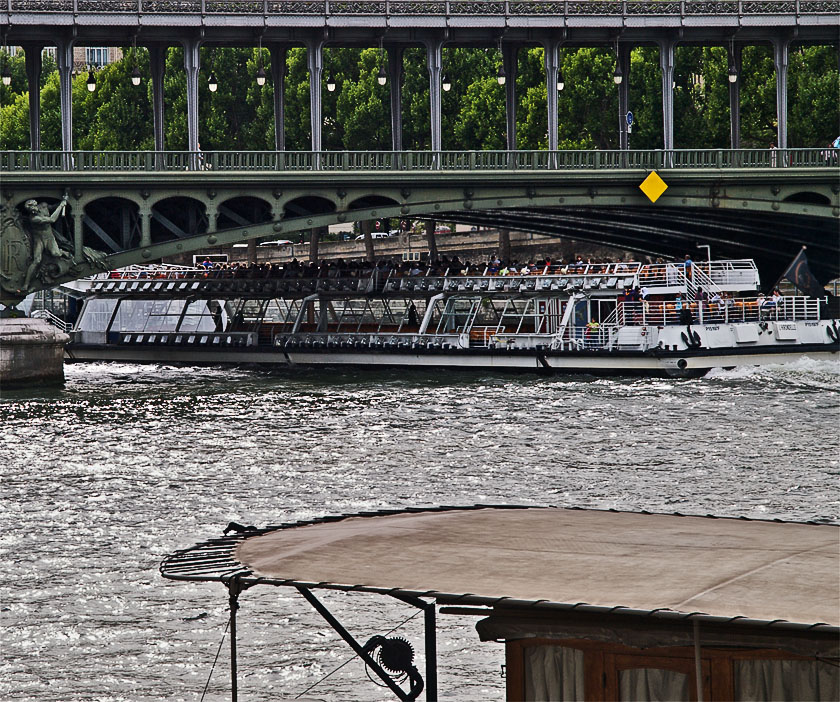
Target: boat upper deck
[(422, 280)]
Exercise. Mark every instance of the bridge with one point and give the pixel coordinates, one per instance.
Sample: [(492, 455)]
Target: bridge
[(141, 206), (395, 25)]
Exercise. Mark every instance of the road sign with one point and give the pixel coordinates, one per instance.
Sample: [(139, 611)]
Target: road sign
[(629, 119)]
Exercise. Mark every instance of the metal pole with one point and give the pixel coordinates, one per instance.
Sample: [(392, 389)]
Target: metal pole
[(234, 605), (431, 652), (698, 668)]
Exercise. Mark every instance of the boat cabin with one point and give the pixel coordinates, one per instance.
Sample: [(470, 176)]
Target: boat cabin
[(591, 605)]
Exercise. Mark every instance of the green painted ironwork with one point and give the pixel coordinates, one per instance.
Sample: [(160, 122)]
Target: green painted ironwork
[(295, 161)]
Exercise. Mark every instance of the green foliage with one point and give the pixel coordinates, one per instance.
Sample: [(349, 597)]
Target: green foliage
[(240, 115)]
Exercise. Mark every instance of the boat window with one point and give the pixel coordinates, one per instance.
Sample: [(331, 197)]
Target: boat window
[(201, 316), (786, 680), (147, 315), (96, 314), (554, 673)]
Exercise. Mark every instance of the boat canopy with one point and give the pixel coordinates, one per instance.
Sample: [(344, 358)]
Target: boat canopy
[(733, 571)]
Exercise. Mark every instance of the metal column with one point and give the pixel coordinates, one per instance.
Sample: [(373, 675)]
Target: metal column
[(735, 98), (191, 66), (64, 54), (157, 62), (551, 69), (32, 54), (780, 59), (431, 652), (278, 80), (623, 60), (434, 59), (78, 236), (666, 64), (511, 66), (395, 70), (315, 57)]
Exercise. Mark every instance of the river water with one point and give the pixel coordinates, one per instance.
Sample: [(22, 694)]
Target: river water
[(125, 463)]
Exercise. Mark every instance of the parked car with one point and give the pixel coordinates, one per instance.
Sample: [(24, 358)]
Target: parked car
[(374, 235), (443, 229)]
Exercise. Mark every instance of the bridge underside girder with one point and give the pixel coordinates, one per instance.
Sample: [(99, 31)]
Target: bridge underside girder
[(742, 213), (771, 239)]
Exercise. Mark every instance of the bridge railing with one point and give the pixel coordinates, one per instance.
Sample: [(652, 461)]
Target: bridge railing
[(253, 161), (448, 8)]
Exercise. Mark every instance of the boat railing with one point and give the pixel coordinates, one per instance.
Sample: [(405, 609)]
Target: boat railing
[(53, 319), (712, 276), (727, 311), (350, 341)]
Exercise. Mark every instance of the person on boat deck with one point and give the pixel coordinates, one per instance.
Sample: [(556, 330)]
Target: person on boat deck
[(592, 327), (689, 265)]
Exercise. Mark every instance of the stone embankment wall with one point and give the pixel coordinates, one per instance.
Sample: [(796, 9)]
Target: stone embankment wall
[(474, 245), (31, 352)]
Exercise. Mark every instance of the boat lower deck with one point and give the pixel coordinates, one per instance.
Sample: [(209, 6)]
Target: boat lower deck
[(684, 363)]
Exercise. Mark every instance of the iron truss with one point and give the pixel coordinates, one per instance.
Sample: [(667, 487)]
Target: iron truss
[(469, 8)]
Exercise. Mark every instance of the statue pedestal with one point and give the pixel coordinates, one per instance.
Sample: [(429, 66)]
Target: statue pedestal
[(31, 352)]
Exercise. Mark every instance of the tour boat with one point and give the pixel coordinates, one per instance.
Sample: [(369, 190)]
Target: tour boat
[(602, 318)]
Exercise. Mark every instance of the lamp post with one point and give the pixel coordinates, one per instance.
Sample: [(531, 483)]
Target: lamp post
[(500, 76), (381, 77), (445, 83), (212, 83), (260, 69), (330, 83), (91, 80), (135, 72)]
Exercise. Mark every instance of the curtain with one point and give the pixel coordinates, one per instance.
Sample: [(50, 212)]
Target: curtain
[(786, 681), (652, 685), (553, 674)]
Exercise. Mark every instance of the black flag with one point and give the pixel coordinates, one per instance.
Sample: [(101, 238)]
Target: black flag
[(800, 275)]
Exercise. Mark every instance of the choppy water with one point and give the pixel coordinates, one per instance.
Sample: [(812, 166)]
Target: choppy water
[(126, 463)]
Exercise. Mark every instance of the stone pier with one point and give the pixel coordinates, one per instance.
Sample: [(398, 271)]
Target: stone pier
[(31, 352)]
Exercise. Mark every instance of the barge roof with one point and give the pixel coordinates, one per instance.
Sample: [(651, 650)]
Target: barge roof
[(739, 571)]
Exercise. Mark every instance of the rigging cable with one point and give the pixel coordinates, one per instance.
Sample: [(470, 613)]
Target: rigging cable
[(213, 667), (354, 656)]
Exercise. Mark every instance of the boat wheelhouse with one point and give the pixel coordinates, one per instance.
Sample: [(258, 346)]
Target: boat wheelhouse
[(624, 317)]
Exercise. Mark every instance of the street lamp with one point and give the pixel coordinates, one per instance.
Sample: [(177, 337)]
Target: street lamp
[(733, 74), (560, 82), (381, 77), (6, 73), (617, 76), (260, 69), (135, 73), (91, 80), (500, 76), (445, 83), (330, 83), (212, 83)]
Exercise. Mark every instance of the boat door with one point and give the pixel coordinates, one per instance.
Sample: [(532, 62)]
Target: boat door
[(642, 677)]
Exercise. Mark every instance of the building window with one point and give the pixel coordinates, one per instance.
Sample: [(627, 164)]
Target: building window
[(96, 55)]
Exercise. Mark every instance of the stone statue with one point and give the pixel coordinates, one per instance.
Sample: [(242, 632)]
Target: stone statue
[(33, 255), (43, 238)]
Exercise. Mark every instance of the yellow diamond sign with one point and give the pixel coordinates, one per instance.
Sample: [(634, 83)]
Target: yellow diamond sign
[(653, 186)]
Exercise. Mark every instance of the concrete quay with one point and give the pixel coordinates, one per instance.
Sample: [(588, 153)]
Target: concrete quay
[(31, 352)]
